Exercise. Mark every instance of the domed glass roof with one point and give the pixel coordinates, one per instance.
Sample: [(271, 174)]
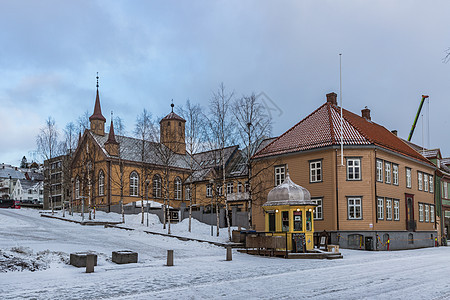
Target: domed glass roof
[(288, 193)]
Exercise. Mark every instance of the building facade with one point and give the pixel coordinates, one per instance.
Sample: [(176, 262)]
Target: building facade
[(378, 190)]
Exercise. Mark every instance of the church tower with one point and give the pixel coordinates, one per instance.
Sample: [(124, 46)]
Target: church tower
[(97, 119), (111, 145), (172, 132)]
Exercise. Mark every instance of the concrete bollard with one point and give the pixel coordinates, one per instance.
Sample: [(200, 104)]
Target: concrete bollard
[(169, 258), (90, 262), (229, 255)]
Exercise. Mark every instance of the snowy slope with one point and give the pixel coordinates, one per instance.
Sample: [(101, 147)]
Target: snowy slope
[(200, 270)]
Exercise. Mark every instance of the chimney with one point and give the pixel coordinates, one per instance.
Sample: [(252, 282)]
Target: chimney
[(331, 98), (394, 132), (365, 113)]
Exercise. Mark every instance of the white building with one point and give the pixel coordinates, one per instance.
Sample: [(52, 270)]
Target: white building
[(29, 191)]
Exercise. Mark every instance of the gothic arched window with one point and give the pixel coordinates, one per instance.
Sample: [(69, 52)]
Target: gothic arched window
[(134, 184)]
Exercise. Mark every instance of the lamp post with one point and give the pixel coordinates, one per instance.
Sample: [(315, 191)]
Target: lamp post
[(211, 183), (146, 197)]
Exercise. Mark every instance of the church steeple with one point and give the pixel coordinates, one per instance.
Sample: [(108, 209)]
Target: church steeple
[(97, 119), (172, 132), (111, 145)]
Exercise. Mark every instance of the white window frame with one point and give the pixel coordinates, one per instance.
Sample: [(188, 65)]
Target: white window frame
[(427, 213), (77, 188), (408, 178), (280, 174), (239, 187), (396, 210), (177, 189), (388, 209), (354, 169), (387, 172), (101, 183), (425, 182), (420, 212), (219, 189), (445, 187), (431, 184), (208, 190), (157, 186), (432, 213), (230, 188), (419, 181), (356, 204), (134, 184), (318, 211), (379, 170), (395, 174), (315, 171), (380, 208)]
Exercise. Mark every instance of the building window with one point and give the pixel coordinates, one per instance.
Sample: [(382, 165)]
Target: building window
[(396, 210), (318, 211), (388, 209), (239, 187), (101, 183), (420, 212), (431, 184), (353, 169), (380, 208), (354, 208), (432, 213), (187, 192), (177, 188), (247, 187), (279, 175), (219, 190), (427, 213), (208, 190), (315, 171), (408, 177), (379, 170), (395, 174), (134, 184), (284, 221), (77, 188), (425, 182), (230, 188), (157, 186), (387, 171), (445, 189), (419, 181)]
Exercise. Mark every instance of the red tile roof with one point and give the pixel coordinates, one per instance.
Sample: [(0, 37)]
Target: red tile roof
[(323, 128)]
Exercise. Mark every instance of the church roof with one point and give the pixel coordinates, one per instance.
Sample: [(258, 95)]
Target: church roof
[(322, 128), (130, 149)]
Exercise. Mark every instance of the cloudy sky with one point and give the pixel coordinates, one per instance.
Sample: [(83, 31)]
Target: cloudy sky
[(149, 52)]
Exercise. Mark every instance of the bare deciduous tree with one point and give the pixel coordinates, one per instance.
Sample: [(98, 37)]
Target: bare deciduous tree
[(254, 125)]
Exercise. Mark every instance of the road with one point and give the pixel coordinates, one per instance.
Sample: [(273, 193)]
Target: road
[(201, 272)]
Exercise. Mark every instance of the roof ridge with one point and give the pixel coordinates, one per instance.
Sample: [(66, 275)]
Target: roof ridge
[(289, 130)]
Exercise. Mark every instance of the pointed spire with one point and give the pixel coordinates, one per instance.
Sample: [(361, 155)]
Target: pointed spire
[(97, 115), (111, 135)]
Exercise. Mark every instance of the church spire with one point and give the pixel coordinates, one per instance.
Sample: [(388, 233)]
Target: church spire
[(111, 135), (97, 119)]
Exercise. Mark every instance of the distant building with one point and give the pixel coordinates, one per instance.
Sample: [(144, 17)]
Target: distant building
[(29, 191), (57, 181)]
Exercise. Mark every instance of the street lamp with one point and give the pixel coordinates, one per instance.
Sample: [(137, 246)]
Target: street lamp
[(146, 196), (211, 184)]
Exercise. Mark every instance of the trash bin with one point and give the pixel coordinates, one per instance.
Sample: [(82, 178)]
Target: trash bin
[(368, 242)]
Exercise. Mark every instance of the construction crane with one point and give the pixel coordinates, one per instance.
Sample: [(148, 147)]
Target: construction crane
[(417, 117)]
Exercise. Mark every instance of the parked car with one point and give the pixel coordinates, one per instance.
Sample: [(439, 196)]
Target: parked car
[(7, 203), (16, 204)]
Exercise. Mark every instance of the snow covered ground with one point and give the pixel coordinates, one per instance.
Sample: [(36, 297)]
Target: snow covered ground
[(200, 270)]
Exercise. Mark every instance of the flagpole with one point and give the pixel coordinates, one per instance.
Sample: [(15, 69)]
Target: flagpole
[(340, 96)]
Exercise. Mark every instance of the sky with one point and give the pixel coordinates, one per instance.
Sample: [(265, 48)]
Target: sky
[(150, 52)]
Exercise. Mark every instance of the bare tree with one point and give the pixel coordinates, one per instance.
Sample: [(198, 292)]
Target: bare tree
[(67, 147), (192, 113), (47, 147), (83, 122), (447, 56), (254, 125), (221, 134), (143, 131)]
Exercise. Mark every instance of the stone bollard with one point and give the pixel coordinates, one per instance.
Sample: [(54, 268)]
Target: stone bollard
[(90, 262), (229, 255), (169, 258)]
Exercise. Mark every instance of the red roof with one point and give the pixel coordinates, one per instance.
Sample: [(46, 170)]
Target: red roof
[(323, 128), (173, 116), (97, 115)]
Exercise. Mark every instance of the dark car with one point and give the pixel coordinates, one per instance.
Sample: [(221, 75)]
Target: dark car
[(9, 203)]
